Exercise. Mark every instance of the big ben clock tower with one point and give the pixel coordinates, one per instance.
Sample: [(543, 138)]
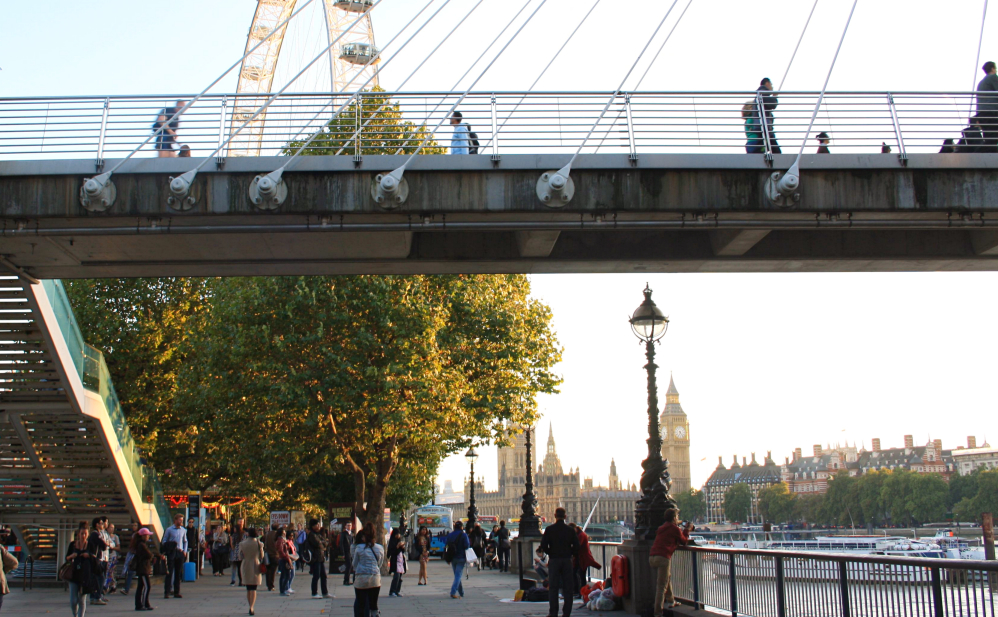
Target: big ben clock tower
[(676, 440)]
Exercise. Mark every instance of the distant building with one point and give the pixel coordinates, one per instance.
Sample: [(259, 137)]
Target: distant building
[(676, 440), (756, 476), (810, 475), (448, 497), (553, 487), (966, 460)]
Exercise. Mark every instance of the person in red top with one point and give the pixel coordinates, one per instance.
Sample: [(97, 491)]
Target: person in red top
[(668, 537), (583, 559)]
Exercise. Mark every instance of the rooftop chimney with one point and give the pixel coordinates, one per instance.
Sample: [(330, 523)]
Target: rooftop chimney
[(817, 449), (909, 441), (876, 444), (938, 443), (720, 463), (971, 441), (744, 464), (798, 454)]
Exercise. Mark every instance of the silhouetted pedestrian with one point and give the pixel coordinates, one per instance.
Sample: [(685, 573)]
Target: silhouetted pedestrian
[(823, 141), (987, 104), (769, 103), (168, 136)]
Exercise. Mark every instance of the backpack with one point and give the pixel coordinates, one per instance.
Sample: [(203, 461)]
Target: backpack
[(472, 140), (305, 552), (449, 552), (536, 594)]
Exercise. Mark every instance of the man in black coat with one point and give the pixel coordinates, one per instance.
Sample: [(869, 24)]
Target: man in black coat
[(560, 543), (345, 546), (769, 103)]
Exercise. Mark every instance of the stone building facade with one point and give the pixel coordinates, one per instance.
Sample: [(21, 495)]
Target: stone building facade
[(675, 429), (756, 476)]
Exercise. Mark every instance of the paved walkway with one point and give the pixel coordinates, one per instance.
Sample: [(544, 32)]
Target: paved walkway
[(212, 596)]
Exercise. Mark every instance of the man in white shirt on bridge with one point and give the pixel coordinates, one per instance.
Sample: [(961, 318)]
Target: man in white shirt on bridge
[(461, 140)]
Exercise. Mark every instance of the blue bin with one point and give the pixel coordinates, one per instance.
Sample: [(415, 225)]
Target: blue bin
[(190, 571)]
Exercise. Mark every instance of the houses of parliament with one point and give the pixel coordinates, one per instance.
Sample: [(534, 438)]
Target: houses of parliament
[(556, 487)]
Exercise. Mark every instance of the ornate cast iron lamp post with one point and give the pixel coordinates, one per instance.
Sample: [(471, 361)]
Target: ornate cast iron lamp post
[(472, 509), (649, 324), (529, 521)]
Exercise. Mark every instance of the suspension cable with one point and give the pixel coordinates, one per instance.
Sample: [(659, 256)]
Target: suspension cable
[(336, 114), (212, 84), (794, 55), (980, 40), (662, 46), (817, 106), (406, 80), (482, 74), (262, 108), (531, 88), (616, 92)]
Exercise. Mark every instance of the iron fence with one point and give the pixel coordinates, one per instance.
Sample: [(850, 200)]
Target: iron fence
[(764, 583), (505, 123)]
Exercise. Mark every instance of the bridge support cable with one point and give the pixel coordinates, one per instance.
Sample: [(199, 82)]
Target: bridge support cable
[(180, 186), (495, 136), (645, 74), (96, 190), (801, 39), (557, 185), (782, 190), (391, 187), (267, 187), (470, 67), (398, 88)]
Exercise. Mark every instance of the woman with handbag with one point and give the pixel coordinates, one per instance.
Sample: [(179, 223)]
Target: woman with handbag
[(368, 557), (397, 565), (78, 571), (286, 557), (252, 566)]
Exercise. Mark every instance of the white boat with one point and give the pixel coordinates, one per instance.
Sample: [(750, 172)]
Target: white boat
[(894, 546)]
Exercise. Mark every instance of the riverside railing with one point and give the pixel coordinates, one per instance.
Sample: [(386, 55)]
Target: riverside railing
[(101, 128), (764, 583)]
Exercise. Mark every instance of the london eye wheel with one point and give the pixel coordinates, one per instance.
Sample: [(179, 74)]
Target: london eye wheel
[(344, 68)]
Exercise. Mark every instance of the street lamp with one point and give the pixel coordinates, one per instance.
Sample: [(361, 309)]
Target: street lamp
[(649, 324), (530, 523), (472, 510)]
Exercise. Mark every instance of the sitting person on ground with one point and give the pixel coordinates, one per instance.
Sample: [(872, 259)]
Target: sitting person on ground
[(541, 565)]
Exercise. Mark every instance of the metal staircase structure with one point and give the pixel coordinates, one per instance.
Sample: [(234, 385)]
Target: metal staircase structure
[(66, 453)]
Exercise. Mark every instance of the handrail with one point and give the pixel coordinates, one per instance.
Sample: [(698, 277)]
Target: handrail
[(927, 562)]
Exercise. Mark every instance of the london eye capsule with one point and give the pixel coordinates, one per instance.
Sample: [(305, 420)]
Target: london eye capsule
[(354, 6), (358, 53)]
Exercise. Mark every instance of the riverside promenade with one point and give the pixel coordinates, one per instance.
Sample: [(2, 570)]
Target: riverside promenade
[(213, 597)]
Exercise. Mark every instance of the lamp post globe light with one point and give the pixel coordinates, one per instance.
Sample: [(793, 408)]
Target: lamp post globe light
[(471, 456), (649, 324), (530, 523)]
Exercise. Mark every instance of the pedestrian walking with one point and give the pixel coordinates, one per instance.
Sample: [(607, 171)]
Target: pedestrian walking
[(345, 544), (252, 562), (769, 103), (456, 545), (219, 551), (368, 558), (477, 538), (823, 141), (175, 548), (972, 140), (235, 539), (987, 104), (561, 544), (753, 129), (113, 552), (166, 129), (460, 141), (503, 545), (286, 557), (317, 548), (97, 547), (397, 565), (8, 563), (667, 538), (270, 546), (423, 545), (127, 570), (141, 564), (84, 578)]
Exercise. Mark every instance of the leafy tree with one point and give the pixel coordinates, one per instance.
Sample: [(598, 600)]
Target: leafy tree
[(144, 327), (871, 502), (808, 508), (841, 504), (776, 503), (384, 131), (985, 500), (928, 501), (737, 502), (373, 373), (963, 487), (692, 504)]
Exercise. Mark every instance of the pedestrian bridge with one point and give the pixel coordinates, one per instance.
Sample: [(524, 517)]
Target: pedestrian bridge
[(66, 454), (662, 182)]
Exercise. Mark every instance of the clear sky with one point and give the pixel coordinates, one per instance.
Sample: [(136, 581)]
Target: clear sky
[(762, 361)]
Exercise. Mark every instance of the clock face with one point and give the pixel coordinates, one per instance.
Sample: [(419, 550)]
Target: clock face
[(680, 432)]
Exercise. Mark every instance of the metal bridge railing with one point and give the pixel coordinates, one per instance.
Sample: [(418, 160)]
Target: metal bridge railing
[(765, 583), (506, 123)]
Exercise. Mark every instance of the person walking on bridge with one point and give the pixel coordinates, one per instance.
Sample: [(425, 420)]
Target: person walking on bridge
[(987, 105), (561, 544), (175, 548), (460, 142), (769, 103)]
